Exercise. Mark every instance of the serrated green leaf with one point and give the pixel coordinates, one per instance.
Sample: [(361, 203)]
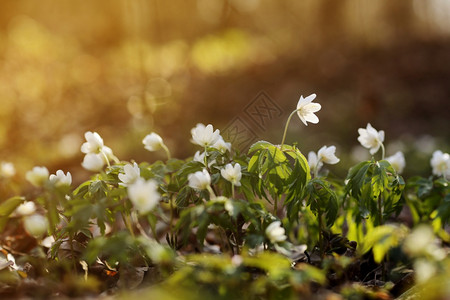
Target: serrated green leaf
[(253, 163), (260, 145)]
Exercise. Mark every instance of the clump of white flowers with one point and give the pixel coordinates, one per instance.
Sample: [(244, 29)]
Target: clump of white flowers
[(61, 179), (144, 195), (38, 176), (397, 161), (440, 162), (421, 244), (131, 174), (7, 169), (324, 155), (275, 233), (371, 139)]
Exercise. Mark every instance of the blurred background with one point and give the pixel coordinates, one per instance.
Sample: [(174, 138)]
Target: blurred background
[(125, 68)]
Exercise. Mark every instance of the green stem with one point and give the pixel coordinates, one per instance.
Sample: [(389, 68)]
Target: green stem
[(275, 206), (380, 211), (232, 191), (319, 216), (167, 151), (316, 169), (171, 216), (238, 237), (211, 192), (382, 151), (72, 253), (126, 220), (286, 127), (106, 158)]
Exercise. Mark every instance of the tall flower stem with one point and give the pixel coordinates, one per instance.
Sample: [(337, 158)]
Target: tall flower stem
[(127, 221), (171, 216), (316, 169), (211, 192), (286, 127), (275, 206), (206, 157), (319, 217), (106, 158), (232, 190), (167, 151), (380, 211), (382, 151)]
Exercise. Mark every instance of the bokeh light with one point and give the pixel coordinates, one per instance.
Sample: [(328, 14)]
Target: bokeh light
[(126, 68)]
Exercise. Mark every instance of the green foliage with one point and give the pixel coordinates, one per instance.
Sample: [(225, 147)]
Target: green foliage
[(376, 188), (428, 199), (273, 172), (267, 275), (381, 239), (258, 227)]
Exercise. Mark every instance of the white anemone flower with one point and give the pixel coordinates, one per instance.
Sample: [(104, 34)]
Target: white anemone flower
[(327, 155), (324, 155), (370, 138), (221, 145), (131, 174), (275, 232), (205, 135), (306, 109), (36, 225), (199, 180), (93, 144), (61, 179), (440, 162), (313, 161), (153, 142), (26, 208), (108, 153), (397, 161), (232, 174), (200, 157), (144, 195), (93, 162), (38, 176)]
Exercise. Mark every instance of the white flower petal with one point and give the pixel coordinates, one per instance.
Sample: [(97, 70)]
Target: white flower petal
[(311, 118), (199, 180)]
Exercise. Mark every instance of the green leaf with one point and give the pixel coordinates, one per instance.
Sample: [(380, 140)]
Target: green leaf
[(379, 179), (253, 163), (381, 239), (7, 207), (259, 146), (356, 178)]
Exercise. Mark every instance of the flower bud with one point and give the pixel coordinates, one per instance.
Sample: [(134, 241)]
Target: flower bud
[(38, 176), (36, 225), (26, 208)]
